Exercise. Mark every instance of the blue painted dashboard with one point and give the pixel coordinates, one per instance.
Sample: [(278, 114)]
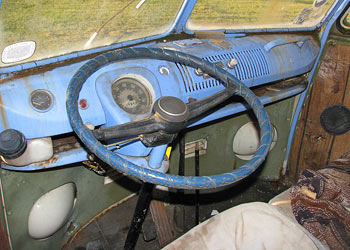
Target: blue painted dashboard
[(260, 59)]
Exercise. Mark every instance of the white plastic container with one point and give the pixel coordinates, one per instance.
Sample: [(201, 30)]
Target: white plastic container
[(40, 149)]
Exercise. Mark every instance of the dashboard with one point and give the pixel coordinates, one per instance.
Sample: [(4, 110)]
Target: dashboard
[(125, 91)]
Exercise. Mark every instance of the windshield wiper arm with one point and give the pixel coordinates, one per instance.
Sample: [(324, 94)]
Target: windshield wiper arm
[(88, 43)]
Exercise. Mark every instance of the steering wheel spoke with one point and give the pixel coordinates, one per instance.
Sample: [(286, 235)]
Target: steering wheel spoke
[(206, 104), (130, 129), (157, 126)]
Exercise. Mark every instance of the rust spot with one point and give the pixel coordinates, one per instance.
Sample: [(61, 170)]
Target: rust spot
[(48, 67), (4, 120), (190, 99), (76, 237), (234, 165), (64, 144), (4, 242), (52, 160), (221, 43), (281, 85), (65, 148), (60, 144)]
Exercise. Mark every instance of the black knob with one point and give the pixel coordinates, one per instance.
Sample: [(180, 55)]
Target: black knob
[(171, 109), (12, 143)]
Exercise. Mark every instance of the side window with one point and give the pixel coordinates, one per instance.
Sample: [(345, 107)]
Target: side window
[(343, 23), (257, 14)]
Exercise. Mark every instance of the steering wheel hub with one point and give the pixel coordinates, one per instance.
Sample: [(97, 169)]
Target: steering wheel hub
[(171, 109)]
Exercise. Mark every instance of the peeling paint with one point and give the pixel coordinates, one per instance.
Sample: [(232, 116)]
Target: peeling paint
[(4, 120)]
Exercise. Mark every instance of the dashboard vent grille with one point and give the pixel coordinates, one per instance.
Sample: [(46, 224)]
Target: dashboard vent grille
[(186, 77), (251, 64)]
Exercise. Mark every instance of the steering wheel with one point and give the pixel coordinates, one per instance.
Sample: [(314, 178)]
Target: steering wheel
[(170, 115)]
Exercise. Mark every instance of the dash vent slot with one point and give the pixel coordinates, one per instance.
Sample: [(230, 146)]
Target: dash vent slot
[(191, 86), (186, 77), (251, 64)]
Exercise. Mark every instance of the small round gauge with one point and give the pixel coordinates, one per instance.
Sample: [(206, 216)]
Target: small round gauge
[(41, 100), (131, 96)]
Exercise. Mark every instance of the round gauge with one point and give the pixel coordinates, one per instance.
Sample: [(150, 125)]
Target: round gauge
[(131, 96), (41, 100)]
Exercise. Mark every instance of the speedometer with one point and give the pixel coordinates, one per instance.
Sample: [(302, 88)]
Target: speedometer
[(131, 96)]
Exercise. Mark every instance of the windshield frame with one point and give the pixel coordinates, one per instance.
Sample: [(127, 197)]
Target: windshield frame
[(181, 26)]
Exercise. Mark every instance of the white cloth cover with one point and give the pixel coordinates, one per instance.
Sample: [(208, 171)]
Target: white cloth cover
[(248, 226)]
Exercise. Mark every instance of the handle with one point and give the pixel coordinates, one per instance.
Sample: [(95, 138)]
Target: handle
[(275, 43)]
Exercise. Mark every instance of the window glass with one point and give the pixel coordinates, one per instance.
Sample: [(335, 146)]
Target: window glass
[(65, 26), (256, 14)]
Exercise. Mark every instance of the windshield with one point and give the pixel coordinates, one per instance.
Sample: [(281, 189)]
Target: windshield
[(257, 14), (37, 29), (52, 28)]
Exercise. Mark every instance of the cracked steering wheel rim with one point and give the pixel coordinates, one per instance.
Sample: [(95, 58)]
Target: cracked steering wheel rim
[(148, 175)]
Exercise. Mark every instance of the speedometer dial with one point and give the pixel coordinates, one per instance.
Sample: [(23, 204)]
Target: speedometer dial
[(131, 96)]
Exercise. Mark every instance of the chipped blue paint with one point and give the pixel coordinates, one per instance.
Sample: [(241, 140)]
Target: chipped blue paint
[(79, 154), (255, 67)]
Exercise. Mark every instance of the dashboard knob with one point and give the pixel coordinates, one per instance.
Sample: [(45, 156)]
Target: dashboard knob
[(12, 143)]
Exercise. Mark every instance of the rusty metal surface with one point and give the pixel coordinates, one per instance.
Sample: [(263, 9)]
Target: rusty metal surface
[(4, 236), (6, 77), (66, 143), (4, 243), (60, 144), (281, 85), (3, 117), (108, 229)]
